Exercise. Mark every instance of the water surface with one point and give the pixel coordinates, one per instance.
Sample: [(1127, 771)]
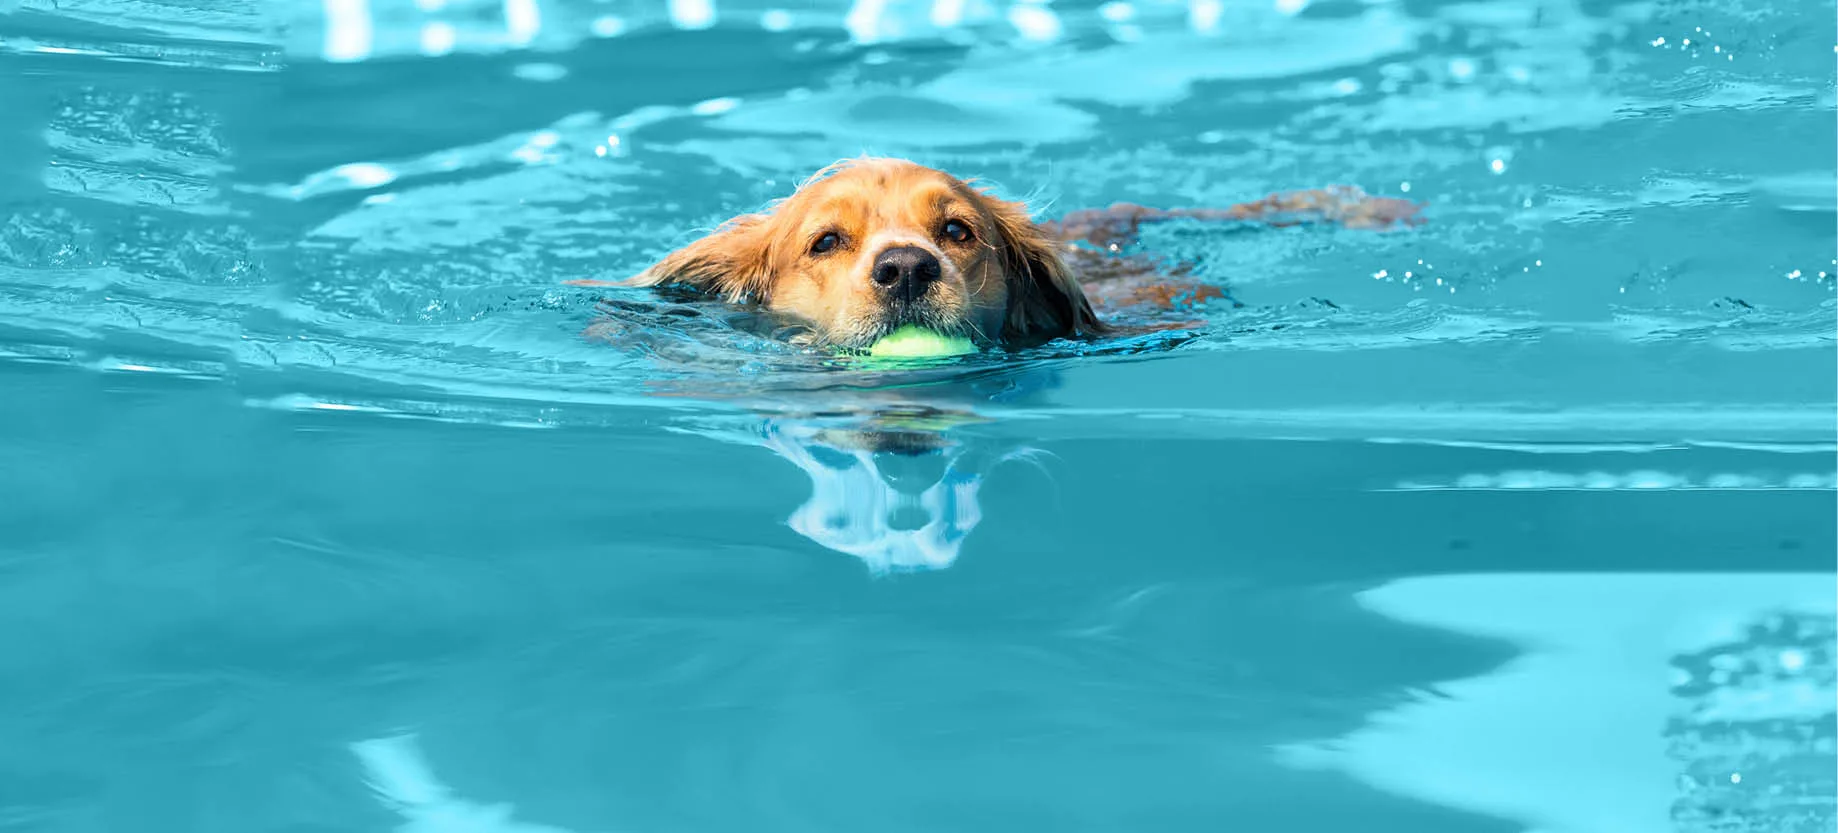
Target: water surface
[(320, 513)]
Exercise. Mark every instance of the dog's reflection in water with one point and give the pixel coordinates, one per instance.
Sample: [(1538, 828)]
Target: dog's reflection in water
[(890, 487)]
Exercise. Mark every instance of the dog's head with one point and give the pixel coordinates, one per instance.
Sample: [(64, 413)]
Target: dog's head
[(869, 245)]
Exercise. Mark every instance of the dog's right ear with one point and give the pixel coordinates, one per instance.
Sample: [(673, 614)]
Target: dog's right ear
[(733, 262), (1045, 300)]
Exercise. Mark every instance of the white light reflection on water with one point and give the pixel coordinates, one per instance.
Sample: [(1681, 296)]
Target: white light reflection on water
[(947, 13), (399, 773), (437, 39), (1641, 480), (348, 30), (1034, 21), (1582, 732), (864, 20), (522, 22), (692, 14), (359, 30)]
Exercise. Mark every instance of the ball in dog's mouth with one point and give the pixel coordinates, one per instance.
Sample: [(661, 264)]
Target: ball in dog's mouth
[(914, 342)]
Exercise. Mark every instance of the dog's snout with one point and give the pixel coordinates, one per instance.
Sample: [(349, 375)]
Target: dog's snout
[(906, 271)]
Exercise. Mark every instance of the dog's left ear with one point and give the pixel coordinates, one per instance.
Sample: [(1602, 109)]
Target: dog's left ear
[(1045, 301)]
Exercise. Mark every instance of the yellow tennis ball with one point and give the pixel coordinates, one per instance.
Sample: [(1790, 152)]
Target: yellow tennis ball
[(911, 342)]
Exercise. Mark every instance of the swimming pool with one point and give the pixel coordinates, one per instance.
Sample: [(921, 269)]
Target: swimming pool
[(317, 511)]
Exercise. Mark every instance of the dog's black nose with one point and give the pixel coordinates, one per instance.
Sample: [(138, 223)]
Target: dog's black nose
[(905, 271)]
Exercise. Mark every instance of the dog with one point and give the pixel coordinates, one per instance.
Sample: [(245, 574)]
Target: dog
[(869, 245)]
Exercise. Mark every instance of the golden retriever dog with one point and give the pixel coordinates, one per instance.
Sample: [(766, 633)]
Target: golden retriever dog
[(869, 245)]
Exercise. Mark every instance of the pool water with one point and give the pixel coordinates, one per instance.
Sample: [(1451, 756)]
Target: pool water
[(319, 512)]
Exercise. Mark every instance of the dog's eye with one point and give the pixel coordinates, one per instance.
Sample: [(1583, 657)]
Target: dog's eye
[(828, 241), (956, 231)]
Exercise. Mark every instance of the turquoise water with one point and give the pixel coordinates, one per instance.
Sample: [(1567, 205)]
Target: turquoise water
[(318, 513)]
